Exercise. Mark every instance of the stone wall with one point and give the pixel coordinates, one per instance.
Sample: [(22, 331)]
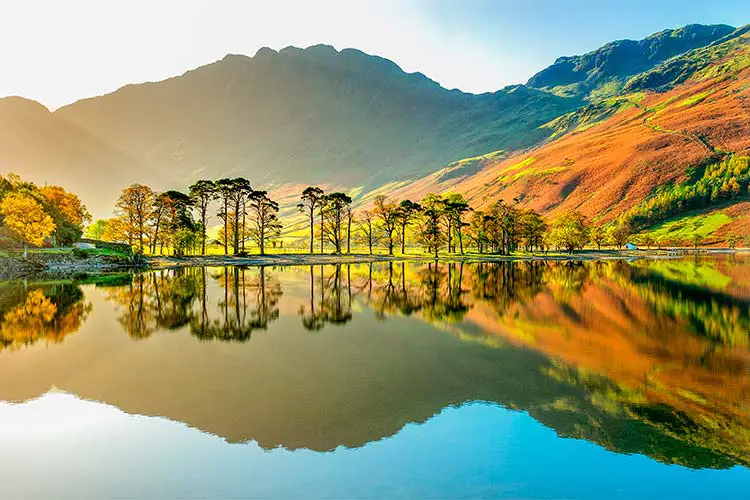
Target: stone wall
[(118, 247)]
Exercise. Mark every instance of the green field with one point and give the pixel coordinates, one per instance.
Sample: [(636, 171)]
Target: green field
[(683, 227)]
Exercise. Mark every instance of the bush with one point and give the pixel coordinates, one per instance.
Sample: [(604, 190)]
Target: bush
[(80, 253)]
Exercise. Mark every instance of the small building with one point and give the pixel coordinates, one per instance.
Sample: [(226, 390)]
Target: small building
[(630, 246)]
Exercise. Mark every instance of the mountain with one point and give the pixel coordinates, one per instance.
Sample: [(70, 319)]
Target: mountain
[(676, 139), (48, 149), (312, 115), (604, 71), (344, 119)]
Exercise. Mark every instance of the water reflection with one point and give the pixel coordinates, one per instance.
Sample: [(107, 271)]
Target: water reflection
[(649, 357), (47, 312)]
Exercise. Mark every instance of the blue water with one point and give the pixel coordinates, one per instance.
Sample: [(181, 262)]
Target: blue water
[(92, 450), (514, 381)]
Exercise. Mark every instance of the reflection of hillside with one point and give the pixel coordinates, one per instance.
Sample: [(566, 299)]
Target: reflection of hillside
[(39, 313), (678, 359), (589, 352), (676, 355)]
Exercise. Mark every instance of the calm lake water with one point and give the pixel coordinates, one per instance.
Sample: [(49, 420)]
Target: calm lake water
[(594, 380)]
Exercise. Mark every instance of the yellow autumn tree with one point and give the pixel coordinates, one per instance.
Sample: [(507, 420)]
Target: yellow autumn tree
[(25, 217), (68, 204)]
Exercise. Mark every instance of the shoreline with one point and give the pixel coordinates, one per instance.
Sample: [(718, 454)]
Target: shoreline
[(166, 262), (11, 268)]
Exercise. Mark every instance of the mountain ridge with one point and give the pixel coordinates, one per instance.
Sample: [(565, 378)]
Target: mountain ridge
[(612, 64), (316, 115), (636, 153)]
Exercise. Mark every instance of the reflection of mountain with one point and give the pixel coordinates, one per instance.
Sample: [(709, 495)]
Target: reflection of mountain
[(581, 348)]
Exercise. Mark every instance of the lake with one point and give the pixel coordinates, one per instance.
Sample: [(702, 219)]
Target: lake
[(524, 380)]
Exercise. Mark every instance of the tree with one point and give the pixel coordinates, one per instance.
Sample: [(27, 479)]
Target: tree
[(239, 190), (179, 219), (455, 208), (647, 240), (26, 217), (225, 237), (161, 205), (697, 240), (732, 241), (349, 221), (598, 236), (408, 211), (433, 211), (334, 212), (364, 223), (67, 212), (97, 230), (312, 197), (134, 208), (388, 214), (620, 234), (502, 227), (224, 191), (264, 218), (531, 228), (569, 231), (201, 193), (477, 230)]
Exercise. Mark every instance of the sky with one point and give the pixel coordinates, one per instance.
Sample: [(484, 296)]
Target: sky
[(57, 52)]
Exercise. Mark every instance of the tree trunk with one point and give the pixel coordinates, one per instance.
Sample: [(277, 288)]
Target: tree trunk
[(403, 238), (204, 219), (226, 227), (236, 227), (321, 229), (349, 235), (312, 228), (262, 234), (449, 235)]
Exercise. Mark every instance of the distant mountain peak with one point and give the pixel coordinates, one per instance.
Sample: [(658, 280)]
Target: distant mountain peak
[(604, 71), (265, 51)]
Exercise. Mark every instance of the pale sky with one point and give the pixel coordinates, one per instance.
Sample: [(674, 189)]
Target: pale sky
[(58, 51)]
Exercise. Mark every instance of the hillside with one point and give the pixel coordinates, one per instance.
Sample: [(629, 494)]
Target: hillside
[(359, 123), (603, 72), (46, 149), (310, 116), (671, 132)]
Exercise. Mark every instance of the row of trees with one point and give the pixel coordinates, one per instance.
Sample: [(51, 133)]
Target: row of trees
[(150, 221), (446, 222), (34, 215)]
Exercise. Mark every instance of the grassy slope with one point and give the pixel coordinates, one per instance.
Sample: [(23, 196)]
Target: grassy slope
[(681, 228), (609, 157)]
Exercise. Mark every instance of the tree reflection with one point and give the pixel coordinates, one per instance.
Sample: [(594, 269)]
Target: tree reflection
[(333, 303), (172, 299), (48, 313)]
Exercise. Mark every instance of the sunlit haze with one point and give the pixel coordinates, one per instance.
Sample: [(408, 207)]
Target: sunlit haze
[(58, 52)]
